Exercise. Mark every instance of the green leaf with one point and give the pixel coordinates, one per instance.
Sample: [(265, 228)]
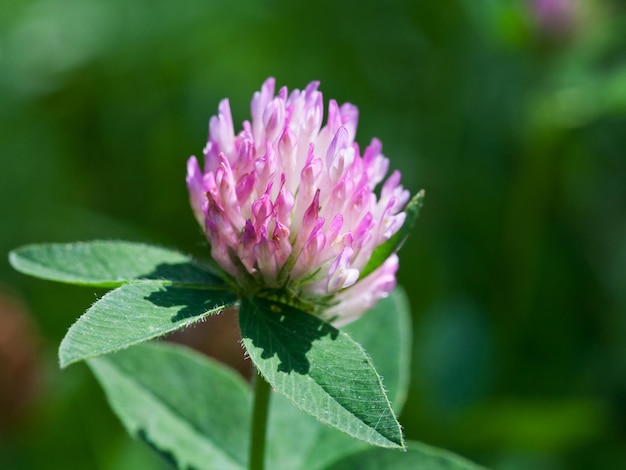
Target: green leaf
[(187, 407), (385, 334), (382, 252), (138, 312), (108, 264), (418, 456), (320, 369)]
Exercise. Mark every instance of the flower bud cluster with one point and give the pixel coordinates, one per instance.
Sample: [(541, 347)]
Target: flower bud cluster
[(290, 205)]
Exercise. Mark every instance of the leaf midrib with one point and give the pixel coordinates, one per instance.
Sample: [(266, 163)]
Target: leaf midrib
[(132, 378), (310, 379)]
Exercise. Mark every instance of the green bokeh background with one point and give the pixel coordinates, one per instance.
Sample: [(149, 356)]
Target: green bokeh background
[(516, 128)]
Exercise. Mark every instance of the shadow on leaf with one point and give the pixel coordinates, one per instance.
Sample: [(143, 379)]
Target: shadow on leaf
[(166, 455), (184, 273), (283, 331), (192, 302)]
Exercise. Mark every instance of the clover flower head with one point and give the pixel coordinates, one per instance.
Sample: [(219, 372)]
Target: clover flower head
[(291, 206), (555, 17)]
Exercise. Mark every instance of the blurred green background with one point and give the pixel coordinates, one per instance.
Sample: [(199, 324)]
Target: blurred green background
[(511, 114)]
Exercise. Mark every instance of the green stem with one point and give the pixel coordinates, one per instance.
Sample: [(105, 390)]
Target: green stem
[(262, 392)]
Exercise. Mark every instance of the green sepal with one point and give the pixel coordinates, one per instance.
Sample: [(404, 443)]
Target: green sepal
[(383, 251)]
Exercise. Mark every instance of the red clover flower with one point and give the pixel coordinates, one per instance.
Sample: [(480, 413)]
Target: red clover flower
[(290, 207)]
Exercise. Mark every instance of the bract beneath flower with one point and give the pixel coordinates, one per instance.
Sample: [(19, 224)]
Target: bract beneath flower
[(288, 205)]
